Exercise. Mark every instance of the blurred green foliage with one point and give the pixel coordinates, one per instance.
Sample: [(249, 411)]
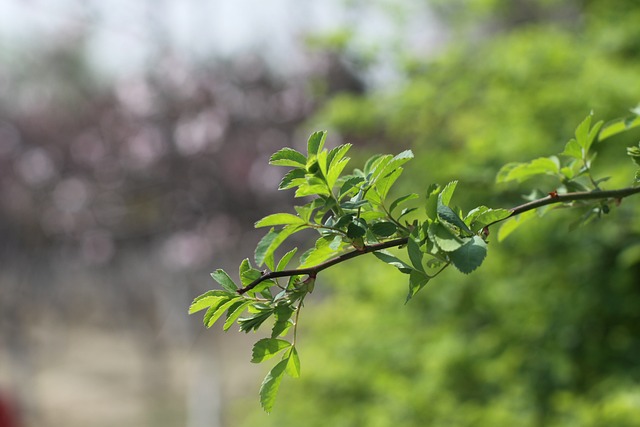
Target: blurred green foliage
[(547, 333)]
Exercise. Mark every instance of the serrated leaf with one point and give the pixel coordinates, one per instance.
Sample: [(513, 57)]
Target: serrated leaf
[(383, 186), (266, 348), (253, 322), (335, 170), (444, 238), (279, 219), (431, 207), (470, 255), (224, 280), (383, 228), (293, 363), (234, 313), (211, 318), (288, 157), (355, 230), (293, 178), (207, 300), (282, 323), (392, 260), (316, 142), (271, 384), (447, 214)]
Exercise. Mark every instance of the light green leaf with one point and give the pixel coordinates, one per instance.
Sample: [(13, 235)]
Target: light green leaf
[(573, 149), (582, 133), (293, 363), (266, 348), (279, 219), (224, 280), (271, 384), (617, 126), (288, 157), (335, 170), (262, 248), (444, 197), (522, 171), (234, 312), (488, 217), (213, 315), (322, 251), (510, 225), (282, 264), (207, 300), (247, 273), (469, 256), (316, 142), (383, 186)]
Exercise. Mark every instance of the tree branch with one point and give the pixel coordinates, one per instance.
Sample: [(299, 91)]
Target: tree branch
[(517, 210)]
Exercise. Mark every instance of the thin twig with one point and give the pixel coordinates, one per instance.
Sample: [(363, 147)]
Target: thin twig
[(548, 200)]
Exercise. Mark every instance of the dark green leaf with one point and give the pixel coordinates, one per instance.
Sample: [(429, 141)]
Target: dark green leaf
[(254, 321), (415, 254), (447, 214), (469, 256), (247, 273), (288, 157), (283, 315), (383, 228), (385, 256), (354, 230), (417, 281), (271, 384)]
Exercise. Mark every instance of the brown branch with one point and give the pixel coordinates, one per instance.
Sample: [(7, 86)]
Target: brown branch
[(548, 200)]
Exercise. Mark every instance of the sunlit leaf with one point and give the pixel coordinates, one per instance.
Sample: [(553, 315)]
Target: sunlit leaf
[(279, 219), (271, 384), (288, 157), (266, 348), (224, 280)]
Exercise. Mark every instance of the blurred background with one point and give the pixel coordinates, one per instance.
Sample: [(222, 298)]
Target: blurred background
[(134, 141)]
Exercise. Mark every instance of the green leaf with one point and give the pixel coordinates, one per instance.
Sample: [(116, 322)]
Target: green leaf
[(283, 315), (415, 254), (254, 321), (617, 126), (224, 280), (234, 312), (417, 281), (247, 273), (288, 157), (522, 171), (444, 197), (293, 363), (447, 214), (262, 248), (469, 256), (266, 348), (444, 238), (271, 384), (383, 228), (488, 217), (431, 207), (573, 149), (355, 230), (323, 250), (316, 142), (213, 315), (510, 225), (282, 264), (207, 300), (582, 133), (293, 178), (383, 186), (397, 202), (392, 260), (279, 219), (335, 170)]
